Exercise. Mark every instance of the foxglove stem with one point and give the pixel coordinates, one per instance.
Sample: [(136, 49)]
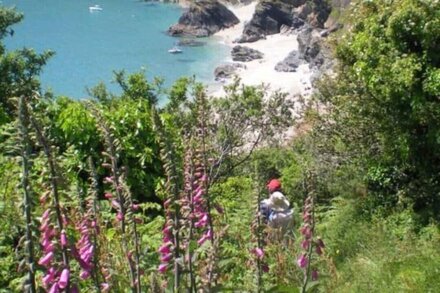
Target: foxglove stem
[(116, 182), (25, 155), (54, 185), (95, 226)]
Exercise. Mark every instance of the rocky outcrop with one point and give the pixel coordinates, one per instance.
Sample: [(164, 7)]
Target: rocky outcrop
[(245, 54), (190, 43), (226, 71), (271, 15), (290, 63), (311, 50), (203, 18)]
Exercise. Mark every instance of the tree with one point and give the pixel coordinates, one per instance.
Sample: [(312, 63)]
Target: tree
[(19, 69), (384, 101)]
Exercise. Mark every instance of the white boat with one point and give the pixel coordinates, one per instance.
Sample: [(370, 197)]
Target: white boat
[(175, 50), (95, 8)]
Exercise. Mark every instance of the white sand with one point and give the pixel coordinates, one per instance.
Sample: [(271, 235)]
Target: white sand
[(275, 48)]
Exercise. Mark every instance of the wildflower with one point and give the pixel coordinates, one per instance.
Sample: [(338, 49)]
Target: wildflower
[(305, 244), (54, 288), (315, 275), (105, 287), (302, 261), (163, 268), (84, 275), (46, 260), (259, 252), (64, 279), (63, 239)]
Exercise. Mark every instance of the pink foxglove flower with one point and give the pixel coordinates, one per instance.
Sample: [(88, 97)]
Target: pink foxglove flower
[(302, 261), (163, 268), (314, 275), (54, 288), (63, 239), (259, 252), (64, 279), (46, 260), (105, 287), (305, 244), (84, 275)]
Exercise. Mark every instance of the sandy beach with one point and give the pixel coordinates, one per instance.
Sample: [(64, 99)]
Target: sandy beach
[(275, 48)]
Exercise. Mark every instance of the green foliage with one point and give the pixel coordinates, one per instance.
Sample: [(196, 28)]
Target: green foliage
[(384, 100), (384, 254)]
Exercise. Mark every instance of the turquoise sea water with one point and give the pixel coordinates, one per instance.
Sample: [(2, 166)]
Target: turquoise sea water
[(126, 34)]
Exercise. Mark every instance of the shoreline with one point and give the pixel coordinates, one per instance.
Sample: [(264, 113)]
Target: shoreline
[(262, 71)]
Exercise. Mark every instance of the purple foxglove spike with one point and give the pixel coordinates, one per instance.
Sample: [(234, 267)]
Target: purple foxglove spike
[(209, 234), (84, 275), (135, 207), (302, 261), (49, 247), (259, 252), (198, 189), (165, 248), (64, 279), (265, 268), (119, 216), (115, 204), (162, 268), (138, 220), (84, 265), (63, 238), (54, 288), (167, 229), (318, 250), (320, 243), (199, 193), (48, 279), (204, 178), (93, 224), (167, 203), (108, 179), (108, 195), (204, 217), (65, 220), (167, 238), (85, 248), (166, 258), (46, 214), (46, 260), (202, 240), (105, 287), (305, 244), (200, 224), (44, 226), (314, 275)]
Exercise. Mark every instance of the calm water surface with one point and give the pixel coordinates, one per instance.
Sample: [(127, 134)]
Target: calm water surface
[(126, 34)]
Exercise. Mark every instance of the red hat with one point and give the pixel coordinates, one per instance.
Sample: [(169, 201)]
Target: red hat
[(274, 185)]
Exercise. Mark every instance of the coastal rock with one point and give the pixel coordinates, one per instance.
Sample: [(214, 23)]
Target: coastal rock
[(245, 54), (314, 12), (268, 18), (271, 15), (227, 71), (203, 18), (190, 43), (308, 44), (290, 63)]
